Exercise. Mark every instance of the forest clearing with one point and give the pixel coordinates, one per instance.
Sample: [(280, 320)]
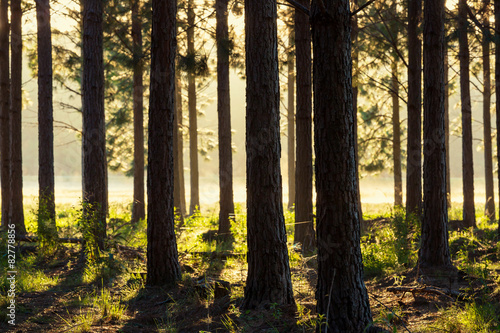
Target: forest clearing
[(58, 292)]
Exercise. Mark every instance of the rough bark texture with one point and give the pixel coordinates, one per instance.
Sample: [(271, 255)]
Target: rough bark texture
[(447, 124), (469, 215), (178, 170), (304, 227), (341, 293), (434, 250), (193, 118), (414, 143), (138, 206), (163, 263), (4, 112), (94, 164), (488, 153), (16, 171), (396, 135), (291, 117), (269, 279), (226, 211), (497, 86)]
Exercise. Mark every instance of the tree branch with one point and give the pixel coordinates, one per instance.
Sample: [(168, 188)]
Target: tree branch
[(369, 2), (298, 6)]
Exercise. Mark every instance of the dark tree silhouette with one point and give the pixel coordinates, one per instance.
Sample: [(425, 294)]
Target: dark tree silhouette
[(163, 263), (488, 153), (138, 206), (269, 279), (94, 164), (304, 228), (16, 158), (341, 294), (224, 116), (4, 111), (414, 145), (469, 215), (434, 250)]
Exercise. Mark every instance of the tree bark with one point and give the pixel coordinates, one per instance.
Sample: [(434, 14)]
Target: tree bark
[(226, 212), (304, 227), (163, 263), (447, 124), (469, 215), (95, 193), (488, 153), (269, 279), (16, 171), (291, 117), (138, 206), (434, 250), (4, 112), (414, 143), (341, 294), (396, 135), (193, 121)]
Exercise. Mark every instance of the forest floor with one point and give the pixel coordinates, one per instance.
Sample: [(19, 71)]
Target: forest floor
[(57, 291)]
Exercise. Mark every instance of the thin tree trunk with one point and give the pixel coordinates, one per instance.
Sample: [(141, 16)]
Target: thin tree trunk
[(414, 145), (193, 121), (179, 208), (138, 207), (16, 171), (163, 263), (269, 279), (469, 215), (434, 250), (4, 112), (304, 227), (291, 117), (488, 154), (447, 124), (95, 194), (396, 136), (341, 294), (180, 144), (224, 116)]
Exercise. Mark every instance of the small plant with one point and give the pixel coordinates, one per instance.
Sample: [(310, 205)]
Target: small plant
[(46, 228), (109, 309)]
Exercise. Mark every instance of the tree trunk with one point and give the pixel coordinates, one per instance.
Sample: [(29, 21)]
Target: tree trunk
[(178, 169), (16, 171), (488, 154), (304, 227), (497, 87), (163, 263), (414, 145), (291, 117), (469, 215), (434, 250), (341, 294), (224, 115), (447, 124), (95, 193), (138, 206), (193, 121), (4, 112), (396, 135), (268, 279)]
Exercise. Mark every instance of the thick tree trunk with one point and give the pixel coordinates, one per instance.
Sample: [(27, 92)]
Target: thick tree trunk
[(291, 117), (138, 206), (304, 227), (447, 124), (16, 158), (414, 143), (224, 116), (193, 121), (95, 193), (488, 154), (341, 294), (4, 112), (178, 169), (469, 215), (396, 136), (434, 250), (269, 279), (163, 263)]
